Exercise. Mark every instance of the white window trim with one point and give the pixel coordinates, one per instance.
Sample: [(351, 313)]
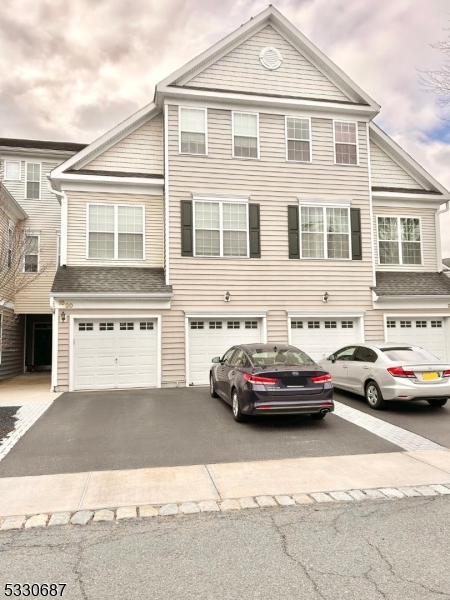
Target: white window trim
[(399, 241), (33, 162), (220, 201), (324, 207), (287, 139), (115, 232), (334, 142), (6, 169), (38, 235), (245, 112), (205, 110)]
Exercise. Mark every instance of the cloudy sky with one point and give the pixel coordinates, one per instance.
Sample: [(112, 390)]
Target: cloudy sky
[(71, 70)]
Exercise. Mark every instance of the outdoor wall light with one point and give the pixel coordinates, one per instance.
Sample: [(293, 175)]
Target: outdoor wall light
[(325, 297), (62, 317), (227, 297)]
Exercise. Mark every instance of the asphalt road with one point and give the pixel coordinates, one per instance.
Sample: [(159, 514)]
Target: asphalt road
[(374, 550), (97, 431)]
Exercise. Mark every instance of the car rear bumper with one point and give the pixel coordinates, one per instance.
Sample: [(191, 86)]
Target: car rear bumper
[(408, 391), (258, 403)]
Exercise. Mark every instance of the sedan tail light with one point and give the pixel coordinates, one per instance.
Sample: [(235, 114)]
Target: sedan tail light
[(400, 372), (258, 379), (446, 373), (321, 378)]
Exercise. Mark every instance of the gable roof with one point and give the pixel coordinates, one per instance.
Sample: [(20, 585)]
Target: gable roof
[(273, 17), (10, 205), (407, 163)]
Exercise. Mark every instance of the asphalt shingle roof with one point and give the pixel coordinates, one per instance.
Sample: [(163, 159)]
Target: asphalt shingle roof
[(41, 144), (411, 283), (405, 190), (110, 280)]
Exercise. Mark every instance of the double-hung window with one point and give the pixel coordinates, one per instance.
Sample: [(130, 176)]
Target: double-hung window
[(31, 253), (345, 143), (33, 184), (12, 170), (399, 241), (220, 229), (245, 135), (325, 232), (193, 126), (115, 232), (298, 139)]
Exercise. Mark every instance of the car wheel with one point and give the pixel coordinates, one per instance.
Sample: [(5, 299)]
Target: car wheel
[(237, 414), (374, 396), (212, 390), (437, 403), (318, 416)]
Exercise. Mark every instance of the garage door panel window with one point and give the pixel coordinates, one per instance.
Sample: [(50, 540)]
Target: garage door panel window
[(233, 325), (347, 324), (106, 326), (399, 241), (325, 232), (85, 326), (296, 324), (149, 325), (126, 326), (221, 229), (215, 324), (197, 325), (436, 323), (116, 232)]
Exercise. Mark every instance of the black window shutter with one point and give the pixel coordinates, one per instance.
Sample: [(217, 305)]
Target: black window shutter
[(355, 220), (255, 231), (293, 232), (186, 228)]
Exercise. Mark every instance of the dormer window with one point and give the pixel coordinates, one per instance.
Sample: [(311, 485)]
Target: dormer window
[(345, 143), (193, 129)]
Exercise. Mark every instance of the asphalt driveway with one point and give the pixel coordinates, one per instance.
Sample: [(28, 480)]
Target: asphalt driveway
[(97, 431)]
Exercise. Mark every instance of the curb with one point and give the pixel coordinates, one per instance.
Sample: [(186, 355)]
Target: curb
[(122, 513)]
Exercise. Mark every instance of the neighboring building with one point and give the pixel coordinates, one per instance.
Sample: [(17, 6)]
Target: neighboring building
[(24, 168), (446, 263), (253, 200)]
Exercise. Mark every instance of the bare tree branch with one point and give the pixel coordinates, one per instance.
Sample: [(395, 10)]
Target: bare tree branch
[(438, 81)]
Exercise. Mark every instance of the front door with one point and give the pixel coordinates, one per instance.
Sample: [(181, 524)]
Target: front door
[(42, 344)]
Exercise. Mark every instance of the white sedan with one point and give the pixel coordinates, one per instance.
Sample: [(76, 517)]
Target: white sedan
[(389, 371)]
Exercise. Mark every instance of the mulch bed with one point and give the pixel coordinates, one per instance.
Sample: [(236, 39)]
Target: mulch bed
[(7, 420)]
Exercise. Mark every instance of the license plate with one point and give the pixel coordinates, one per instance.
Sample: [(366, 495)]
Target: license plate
[(431, 375)]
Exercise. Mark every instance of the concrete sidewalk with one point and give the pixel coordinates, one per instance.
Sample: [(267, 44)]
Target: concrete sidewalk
[(103, 489), (27, 388)]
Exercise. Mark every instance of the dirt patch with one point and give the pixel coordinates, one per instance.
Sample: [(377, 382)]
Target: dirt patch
[(7, 420)]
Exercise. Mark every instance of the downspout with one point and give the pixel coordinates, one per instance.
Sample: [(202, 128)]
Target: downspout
[(64, 216), (438, 234)]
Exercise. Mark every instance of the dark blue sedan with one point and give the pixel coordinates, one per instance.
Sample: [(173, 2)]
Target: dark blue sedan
[(276, 379)]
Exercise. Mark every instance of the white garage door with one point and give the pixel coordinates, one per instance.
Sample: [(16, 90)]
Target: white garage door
[(429, 333), (320, 337), (213, 337), (120, 353)]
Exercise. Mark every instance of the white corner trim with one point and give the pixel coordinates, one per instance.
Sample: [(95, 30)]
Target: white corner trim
[(372, 237), (55, 346), (166, 195)]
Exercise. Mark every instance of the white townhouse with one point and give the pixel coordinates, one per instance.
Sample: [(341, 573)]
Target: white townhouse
[(253, 200)]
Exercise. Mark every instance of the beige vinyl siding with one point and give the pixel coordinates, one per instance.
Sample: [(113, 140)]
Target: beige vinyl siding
[(6, 281), (44, 217), (11, 350), (387, 173), (154, 228), (140, 152), (241, 70), (428, 235), (272, 283)]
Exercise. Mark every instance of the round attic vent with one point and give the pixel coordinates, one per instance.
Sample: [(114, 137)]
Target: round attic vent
[(270, 58)]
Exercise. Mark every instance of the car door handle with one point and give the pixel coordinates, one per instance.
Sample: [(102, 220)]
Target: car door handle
[(345, 366), (366, 368)]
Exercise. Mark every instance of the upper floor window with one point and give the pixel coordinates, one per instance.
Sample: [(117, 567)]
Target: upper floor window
[(399, 241), (33, 189), (31, 254), (12, 170), (345, 143), (298, 139), (115, 232), (245, 135), (193, 139), (325, 232), (220, 229)]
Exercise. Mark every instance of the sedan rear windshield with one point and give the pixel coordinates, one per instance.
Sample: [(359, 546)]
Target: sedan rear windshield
[(286, 357), (408, 355)]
